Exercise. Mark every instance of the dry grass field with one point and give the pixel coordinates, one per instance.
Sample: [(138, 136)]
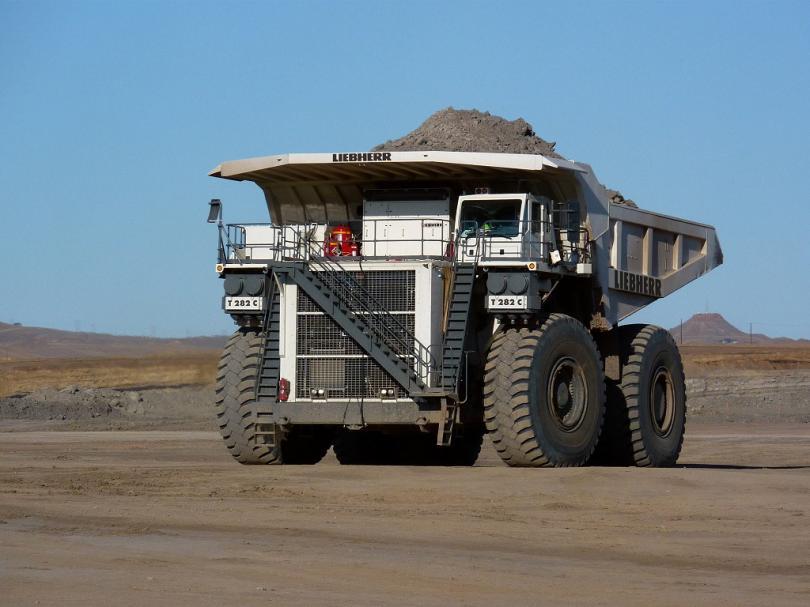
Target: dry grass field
[(702, 359), (199, 368), (23, 376)]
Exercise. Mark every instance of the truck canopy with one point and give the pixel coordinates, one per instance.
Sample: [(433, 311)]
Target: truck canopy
[(328, 186)]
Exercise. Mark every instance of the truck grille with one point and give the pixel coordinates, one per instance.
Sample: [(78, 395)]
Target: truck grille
[(394, 289), (317, 333), (328, 360)]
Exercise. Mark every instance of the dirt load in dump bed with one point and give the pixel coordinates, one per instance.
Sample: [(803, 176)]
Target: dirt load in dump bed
[(473, 131)]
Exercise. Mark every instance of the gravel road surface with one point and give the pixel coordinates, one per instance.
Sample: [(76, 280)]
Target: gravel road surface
[(167, 518)]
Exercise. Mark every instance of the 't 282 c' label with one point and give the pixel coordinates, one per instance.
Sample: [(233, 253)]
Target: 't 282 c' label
[(507, 302), (243, 303)]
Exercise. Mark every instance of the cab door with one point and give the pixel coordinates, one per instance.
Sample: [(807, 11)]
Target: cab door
[(539, 235)]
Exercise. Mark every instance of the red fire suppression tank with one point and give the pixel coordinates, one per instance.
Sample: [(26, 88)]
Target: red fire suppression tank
[(340, 242)]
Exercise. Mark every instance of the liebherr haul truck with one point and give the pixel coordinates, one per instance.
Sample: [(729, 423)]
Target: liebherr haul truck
[(402, 304)]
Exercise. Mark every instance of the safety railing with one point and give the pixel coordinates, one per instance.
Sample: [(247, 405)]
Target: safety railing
[(298, 243), (265, 243), (521, 241), (380, 238)]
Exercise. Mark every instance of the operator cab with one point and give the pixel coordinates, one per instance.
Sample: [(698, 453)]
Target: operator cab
[(504, 229)]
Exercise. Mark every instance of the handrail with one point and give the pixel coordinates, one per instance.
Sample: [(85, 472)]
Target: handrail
[(418, 242), (356, 298), (522, 240)]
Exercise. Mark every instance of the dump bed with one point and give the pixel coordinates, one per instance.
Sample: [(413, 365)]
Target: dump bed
[(653, 255)]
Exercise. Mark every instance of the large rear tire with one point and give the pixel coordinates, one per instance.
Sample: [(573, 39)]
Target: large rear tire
[(234, 404), (654, 392), (544, 393)]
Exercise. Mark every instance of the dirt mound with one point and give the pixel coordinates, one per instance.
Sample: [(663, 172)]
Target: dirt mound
[(472, 131), (616, 197), (454, 130)]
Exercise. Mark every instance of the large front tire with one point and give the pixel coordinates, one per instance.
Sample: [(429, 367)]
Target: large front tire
[(234, 404), (544, 393), (236, 383)]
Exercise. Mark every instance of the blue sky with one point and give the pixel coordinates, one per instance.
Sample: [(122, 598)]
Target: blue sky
[(112, 114)]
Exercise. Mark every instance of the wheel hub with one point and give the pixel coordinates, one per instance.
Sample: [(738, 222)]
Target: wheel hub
[(567, 394), (662, 402)]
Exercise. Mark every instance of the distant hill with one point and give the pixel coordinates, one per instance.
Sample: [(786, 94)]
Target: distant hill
[(21, 343), (26, 343), (712, 328)]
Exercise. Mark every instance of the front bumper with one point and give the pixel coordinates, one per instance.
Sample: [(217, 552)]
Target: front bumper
[(347, 413)]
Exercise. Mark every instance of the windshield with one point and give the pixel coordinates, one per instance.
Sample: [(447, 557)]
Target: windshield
[(493, 217)]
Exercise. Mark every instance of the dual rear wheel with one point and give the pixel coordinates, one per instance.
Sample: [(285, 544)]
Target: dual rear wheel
[(646, 416), (545, 402)]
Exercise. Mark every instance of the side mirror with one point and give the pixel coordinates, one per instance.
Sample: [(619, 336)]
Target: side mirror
[(214, 210)]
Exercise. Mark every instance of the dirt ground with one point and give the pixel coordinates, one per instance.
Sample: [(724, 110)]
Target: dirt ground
[(126, 495), (167, 518)]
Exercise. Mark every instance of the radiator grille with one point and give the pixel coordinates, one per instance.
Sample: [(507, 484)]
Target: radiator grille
[(329, 360), (359, 377), (393, 289), (317, 333)]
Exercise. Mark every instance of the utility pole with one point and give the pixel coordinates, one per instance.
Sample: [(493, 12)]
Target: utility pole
[(750, 333), (681, 331)]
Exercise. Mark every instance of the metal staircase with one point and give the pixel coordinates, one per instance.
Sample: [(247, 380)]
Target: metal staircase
[(269, 370), (378, 332), (267, 379), (375, 330), (453, 354), (456, 332)]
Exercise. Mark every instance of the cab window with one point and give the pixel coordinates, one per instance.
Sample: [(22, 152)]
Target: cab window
[(493, 217)]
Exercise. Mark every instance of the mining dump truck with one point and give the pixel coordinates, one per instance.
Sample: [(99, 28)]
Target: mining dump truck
[(400, 305)]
